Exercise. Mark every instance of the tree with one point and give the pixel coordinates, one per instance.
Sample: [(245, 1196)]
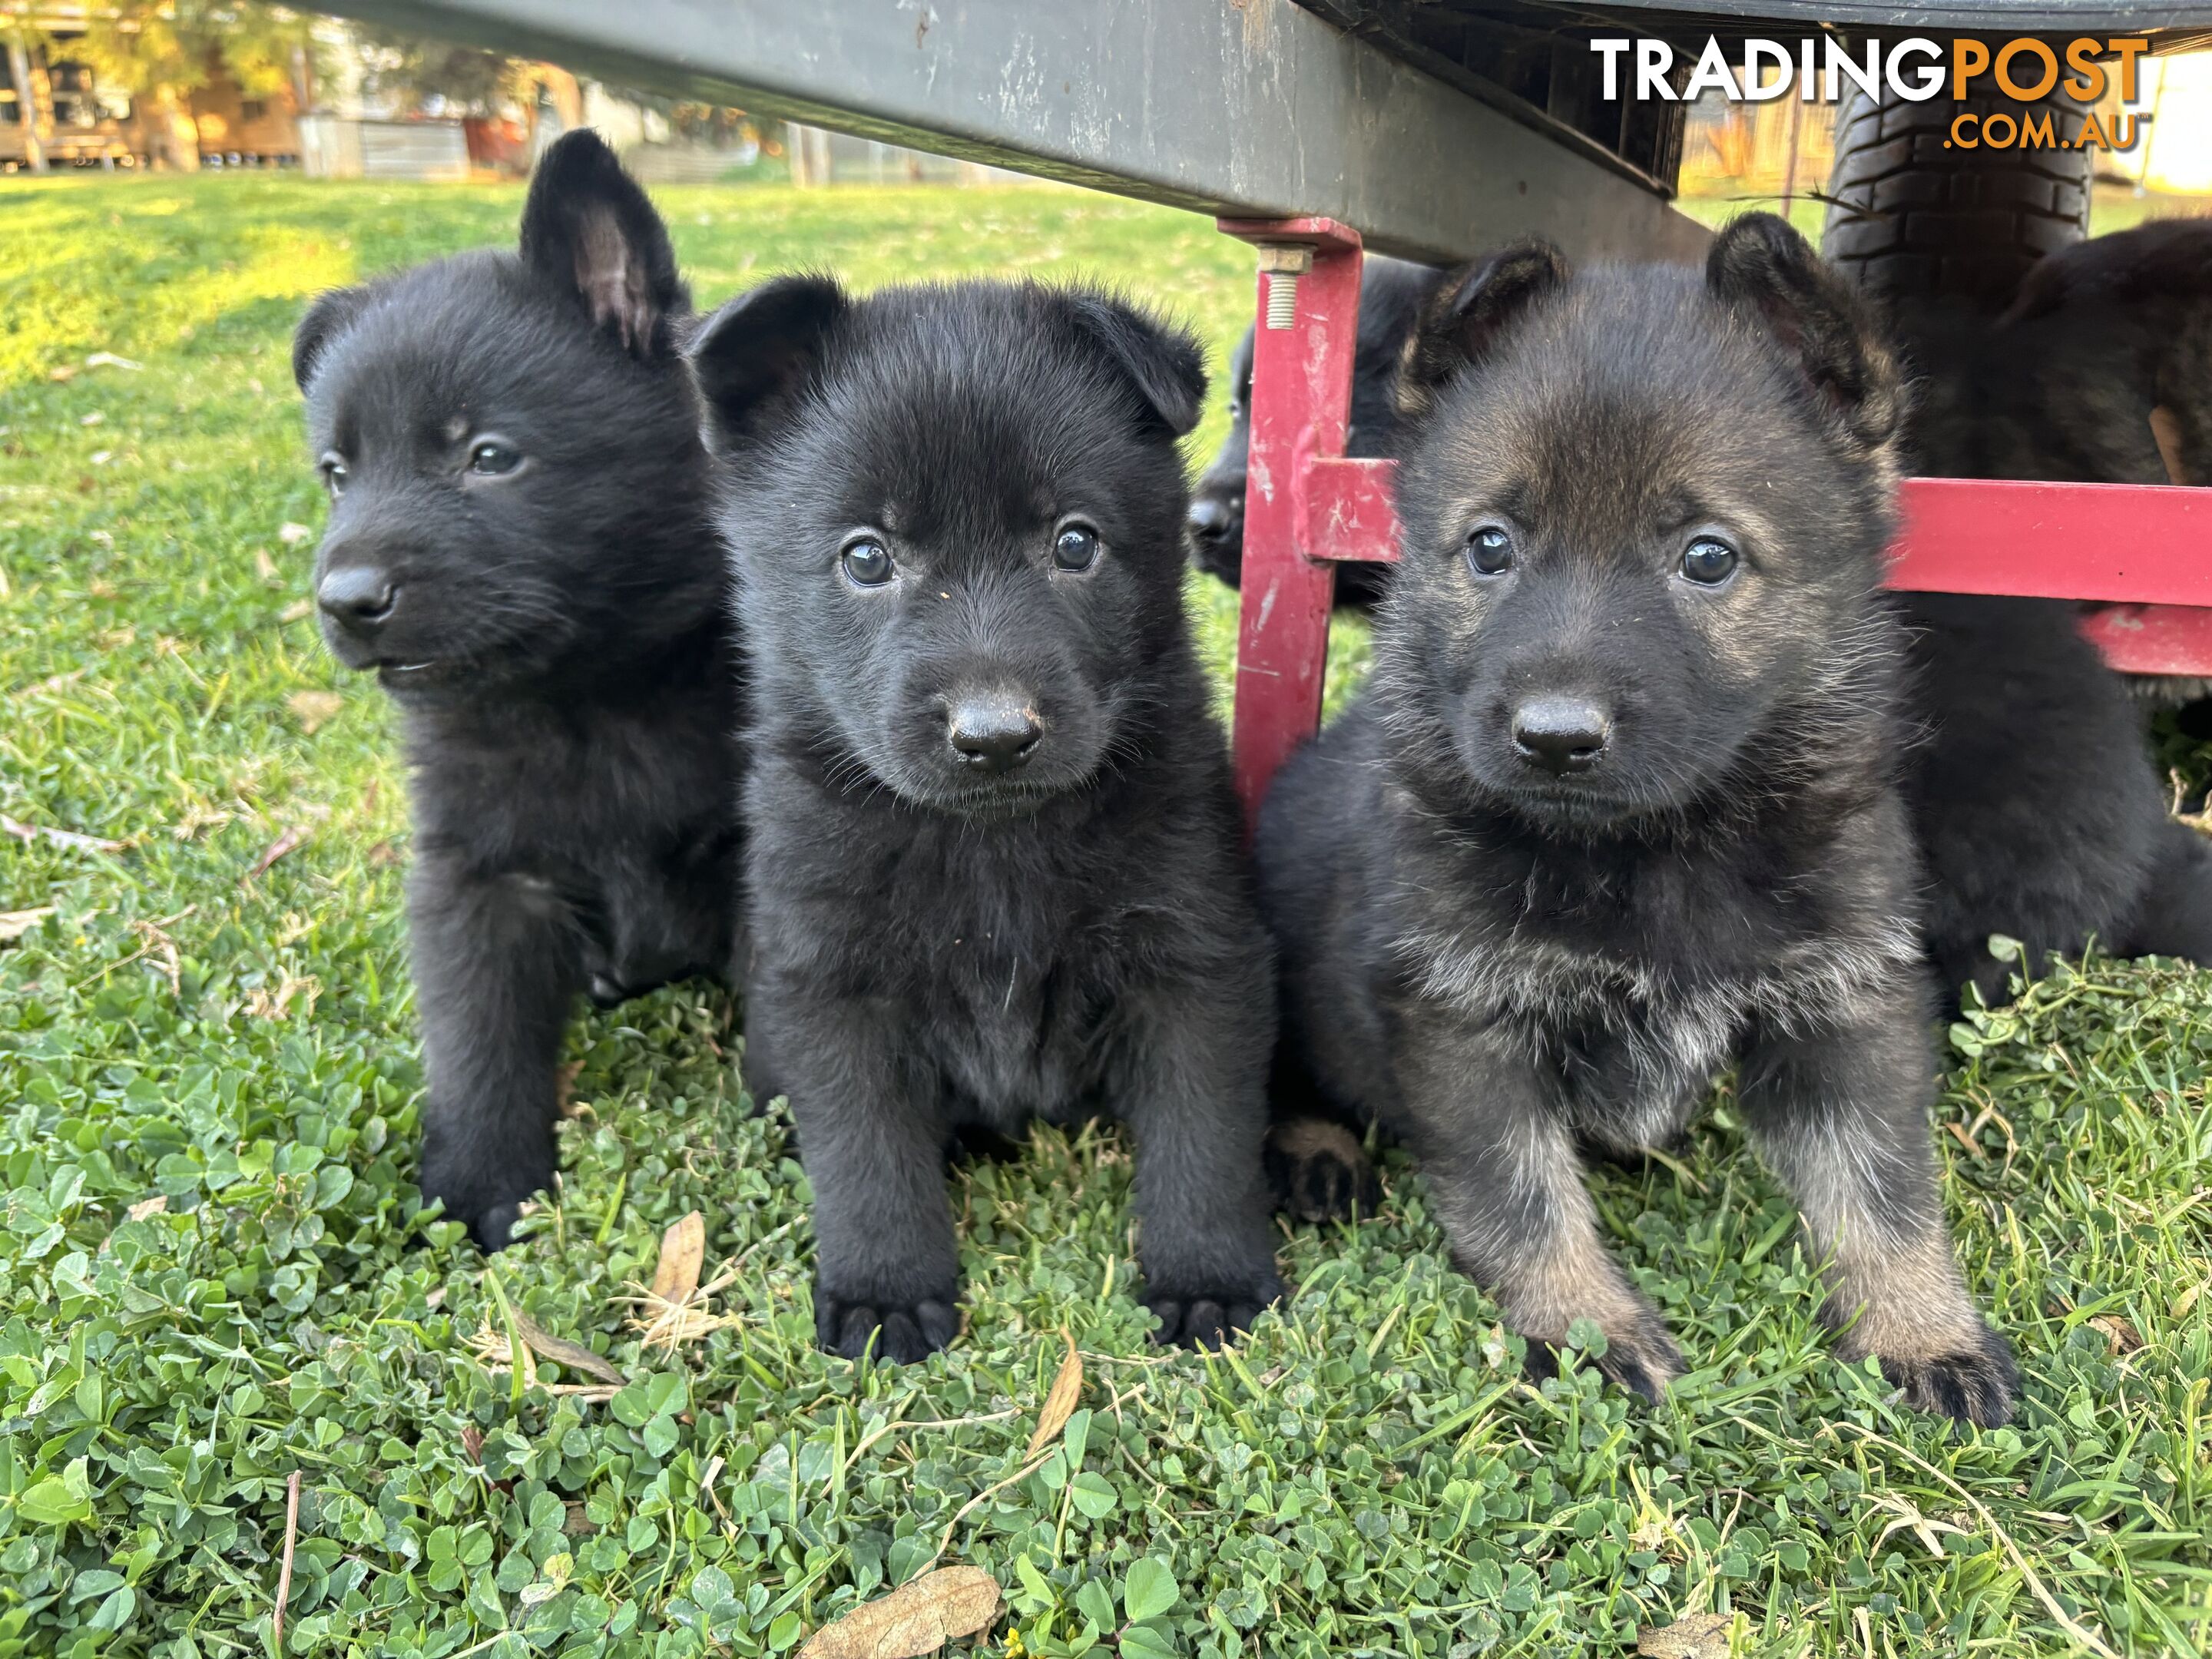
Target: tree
[(161, 51), (410, 71), (24, 35)]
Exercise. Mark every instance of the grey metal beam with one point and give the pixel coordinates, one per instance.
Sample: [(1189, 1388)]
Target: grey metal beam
[(1258, 109)]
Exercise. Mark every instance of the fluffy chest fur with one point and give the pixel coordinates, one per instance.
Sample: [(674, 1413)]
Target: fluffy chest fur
[(1006, 949), (1634, 970)]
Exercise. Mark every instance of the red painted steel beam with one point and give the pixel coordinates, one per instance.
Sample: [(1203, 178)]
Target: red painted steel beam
[(1302, 348), (2129, 543)]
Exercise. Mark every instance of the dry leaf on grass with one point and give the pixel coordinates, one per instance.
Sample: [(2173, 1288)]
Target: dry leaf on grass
[(13, 923), (683, 1252), (315, 709), (163, 949), (1060, 1401), (1699, 1635), (298, 611), (2120, 1335), (289, 841), (293, 534), (28, 832), (264, 1003), (915, 1618), (674, 1310), (53, 682), (497, 1352), (138, 1212)]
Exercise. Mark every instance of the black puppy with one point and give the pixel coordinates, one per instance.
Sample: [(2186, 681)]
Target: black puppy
[(1390, 295), (993, 853), (1626, 780), (2038, 808), (520, 547)]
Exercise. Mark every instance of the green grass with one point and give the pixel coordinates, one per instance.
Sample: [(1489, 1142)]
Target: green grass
[(1365, 1474)]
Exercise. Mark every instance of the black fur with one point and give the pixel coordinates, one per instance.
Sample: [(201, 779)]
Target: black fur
[(554, 635), (2038, 808), (1620, 827), (1061, 926), (1390, 295)]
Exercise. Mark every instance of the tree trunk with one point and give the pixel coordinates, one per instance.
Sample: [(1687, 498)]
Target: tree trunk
[(27, 104), (172, 139)]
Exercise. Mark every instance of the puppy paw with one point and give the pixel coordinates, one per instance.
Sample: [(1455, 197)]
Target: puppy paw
[(1206, 1319), (900, 1332), (1641, 1357), (488, 1206), (1975, 1383), (1319, 1171), (494, 1229)]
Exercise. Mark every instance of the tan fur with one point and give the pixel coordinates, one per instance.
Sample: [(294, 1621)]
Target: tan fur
[(1303, 1138)]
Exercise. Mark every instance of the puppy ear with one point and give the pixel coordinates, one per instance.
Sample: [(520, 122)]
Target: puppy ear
[(1760, 263), (756, 348), (1164, 364), (589, 228), (330, 315), (1463, 319)]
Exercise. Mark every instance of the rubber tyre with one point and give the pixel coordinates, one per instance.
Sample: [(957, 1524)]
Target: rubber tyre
[(1915, 216)]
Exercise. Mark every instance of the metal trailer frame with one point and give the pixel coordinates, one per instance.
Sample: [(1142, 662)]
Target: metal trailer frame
[(1313, 144)]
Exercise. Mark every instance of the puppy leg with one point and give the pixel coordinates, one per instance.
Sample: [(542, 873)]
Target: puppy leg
[(2174, 916), (1317, 1169), (1191, 1085), (1843, 1119), (495, 967), (1509, 1189), (887, 1266)]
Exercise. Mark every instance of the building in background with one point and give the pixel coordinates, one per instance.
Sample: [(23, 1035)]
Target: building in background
[(360, 104), (818, 156)]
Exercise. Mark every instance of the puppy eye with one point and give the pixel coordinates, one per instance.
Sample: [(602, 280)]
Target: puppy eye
[(333, 469), (1708, 561), (1489, 551), (492, 459), (868, 563), (1076, 547)]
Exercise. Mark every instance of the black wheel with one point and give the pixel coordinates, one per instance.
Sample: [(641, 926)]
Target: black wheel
[(1918, 217)]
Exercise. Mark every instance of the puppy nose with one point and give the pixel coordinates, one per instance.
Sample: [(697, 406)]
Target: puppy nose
[(1211, 520), (993, 735), (1560, 735), (357, 596)]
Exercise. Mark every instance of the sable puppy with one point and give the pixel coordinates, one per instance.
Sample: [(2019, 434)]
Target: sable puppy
[(519, 547), (993, 862), (1390, 295), (1625, 782)]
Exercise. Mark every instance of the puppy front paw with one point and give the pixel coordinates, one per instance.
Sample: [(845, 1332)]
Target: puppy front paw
[(900, 1332), (1975, 1382), (1319, 1171), (488, 1205), (1640, 1355), (1206, 1318)]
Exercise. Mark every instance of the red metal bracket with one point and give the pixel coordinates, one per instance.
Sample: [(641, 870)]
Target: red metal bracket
[(1301, 346), (2145, 550)]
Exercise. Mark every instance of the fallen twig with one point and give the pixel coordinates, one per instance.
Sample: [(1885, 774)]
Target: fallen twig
[(30, 832), (289, 841), (284, 1573)]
